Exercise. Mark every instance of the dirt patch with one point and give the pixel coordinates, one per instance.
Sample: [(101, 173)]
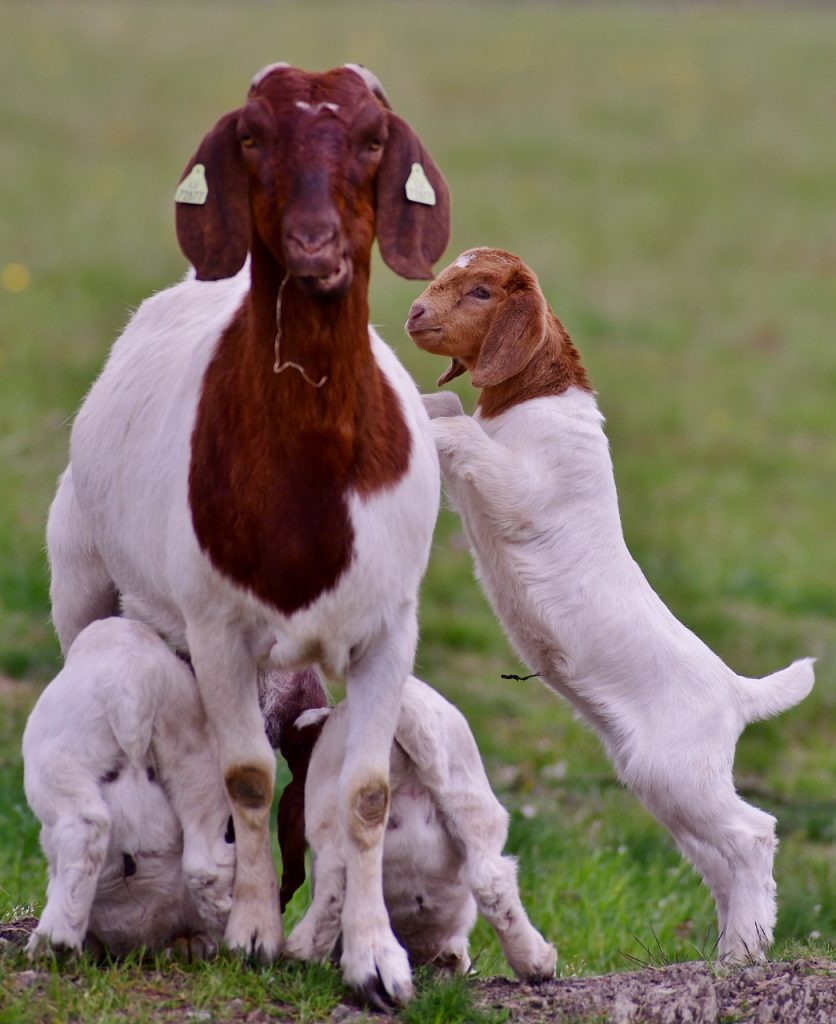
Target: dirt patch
[(16, 933), (802, 992)]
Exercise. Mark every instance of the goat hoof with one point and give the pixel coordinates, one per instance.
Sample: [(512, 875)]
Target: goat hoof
[(44, 944), (254, 933), (255, 948), (379, 972), (373, 994), (541, 968), (192, 948), (257, 952), (451, 962)]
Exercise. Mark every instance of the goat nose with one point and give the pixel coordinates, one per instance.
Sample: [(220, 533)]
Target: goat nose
[(312, 239), (416, 311)]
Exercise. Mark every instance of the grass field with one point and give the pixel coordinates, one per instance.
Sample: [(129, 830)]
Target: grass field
[(671, 176)]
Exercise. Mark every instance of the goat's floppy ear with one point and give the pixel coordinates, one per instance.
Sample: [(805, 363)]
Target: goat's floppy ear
[(517, 331), (412, 233), (212, 209)]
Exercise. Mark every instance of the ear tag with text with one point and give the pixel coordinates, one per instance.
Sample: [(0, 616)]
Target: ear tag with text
[(193, 188), (418, 187)]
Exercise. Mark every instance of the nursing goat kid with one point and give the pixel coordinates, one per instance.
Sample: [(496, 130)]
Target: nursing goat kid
[(122, 772), (442, 855), (253, 473), (531, 476)]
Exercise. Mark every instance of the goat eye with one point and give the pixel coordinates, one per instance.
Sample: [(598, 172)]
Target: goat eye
[(246, 140), (374, 146), (480, 293)]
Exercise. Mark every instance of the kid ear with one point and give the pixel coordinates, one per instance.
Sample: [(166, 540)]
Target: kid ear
[(516, 333)]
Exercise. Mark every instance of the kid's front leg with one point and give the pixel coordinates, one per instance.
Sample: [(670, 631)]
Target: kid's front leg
[(472, 462), (447, 761)]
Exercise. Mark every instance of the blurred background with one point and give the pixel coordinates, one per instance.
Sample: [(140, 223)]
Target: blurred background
[(670, 174)]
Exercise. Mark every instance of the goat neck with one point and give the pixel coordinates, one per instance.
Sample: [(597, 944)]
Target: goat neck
[(274, 456), (327, 338)]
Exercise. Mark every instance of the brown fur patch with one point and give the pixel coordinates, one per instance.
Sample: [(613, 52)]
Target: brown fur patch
[(249, 787), (554, 368), (368, 809), (274, 460)]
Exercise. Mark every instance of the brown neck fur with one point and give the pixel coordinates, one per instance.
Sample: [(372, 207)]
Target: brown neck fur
[(555, 367), (273, 458)]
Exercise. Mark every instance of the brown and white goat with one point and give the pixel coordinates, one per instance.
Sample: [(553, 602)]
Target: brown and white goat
[(253, 473), (532, 479)]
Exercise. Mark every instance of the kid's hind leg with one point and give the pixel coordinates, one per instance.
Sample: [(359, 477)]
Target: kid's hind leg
[(732, 845), (493, 879), (188, 763), (447, 761), (743, 839), (81, 589)]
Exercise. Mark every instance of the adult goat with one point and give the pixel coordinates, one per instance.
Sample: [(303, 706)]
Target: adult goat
[(253, 474)]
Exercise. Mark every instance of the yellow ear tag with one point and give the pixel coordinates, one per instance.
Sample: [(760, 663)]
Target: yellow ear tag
[(193, 188), (418, 187)]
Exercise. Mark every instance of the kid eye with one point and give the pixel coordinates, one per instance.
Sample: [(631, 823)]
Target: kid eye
[(479, 292)]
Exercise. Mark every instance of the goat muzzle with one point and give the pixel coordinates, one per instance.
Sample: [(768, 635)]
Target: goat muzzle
[(319, 260), (324, 273), (421, 329), (333, 283)]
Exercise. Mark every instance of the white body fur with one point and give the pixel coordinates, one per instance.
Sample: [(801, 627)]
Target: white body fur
[(121, 769), (121, 522), (442, 855), (534, 487)]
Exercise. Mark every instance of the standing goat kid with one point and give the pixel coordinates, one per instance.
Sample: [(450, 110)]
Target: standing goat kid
[(253, 473), (531, 476)]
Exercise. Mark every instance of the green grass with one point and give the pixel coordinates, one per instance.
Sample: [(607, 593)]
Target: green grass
[(671, 176)]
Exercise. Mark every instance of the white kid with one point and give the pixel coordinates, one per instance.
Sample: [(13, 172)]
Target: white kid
[(531, 476)]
